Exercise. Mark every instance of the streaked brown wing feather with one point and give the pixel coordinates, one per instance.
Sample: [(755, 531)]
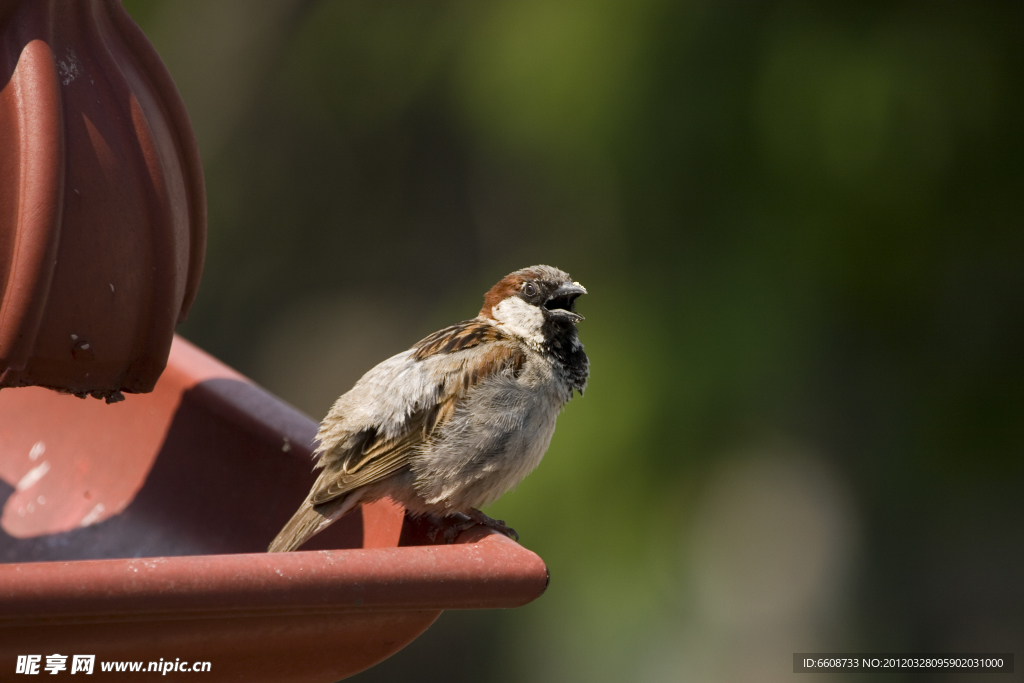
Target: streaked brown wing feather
[(378, 458), (464, 335)]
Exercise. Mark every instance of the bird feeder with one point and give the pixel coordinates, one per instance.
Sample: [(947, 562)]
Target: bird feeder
[(136, 532), (102, 202)]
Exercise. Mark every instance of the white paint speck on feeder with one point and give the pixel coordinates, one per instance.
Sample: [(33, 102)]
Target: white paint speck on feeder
[(38, 448), (33, 476), (93, 515)]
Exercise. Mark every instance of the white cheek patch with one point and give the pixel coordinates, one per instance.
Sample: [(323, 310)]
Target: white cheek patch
[(520, 317)]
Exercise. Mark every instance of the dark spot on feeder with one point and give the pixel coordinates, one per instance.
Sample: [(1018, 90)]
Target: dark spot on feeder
[(82, 350)]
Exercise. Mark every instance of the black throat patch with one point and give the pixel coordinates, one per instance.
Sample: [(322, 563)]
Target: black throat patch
[(563, 342)]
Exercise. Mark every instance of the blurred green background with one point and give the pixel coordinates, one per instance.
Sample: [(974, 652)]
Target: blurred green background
[(800, 225)]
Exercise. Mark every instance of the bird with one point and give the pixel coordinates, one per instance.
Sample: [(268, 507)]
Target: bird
[(457, 420)]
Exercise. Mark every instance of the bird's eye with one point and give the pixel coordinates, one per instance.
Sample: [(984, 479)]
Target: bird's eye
[(530, 289)]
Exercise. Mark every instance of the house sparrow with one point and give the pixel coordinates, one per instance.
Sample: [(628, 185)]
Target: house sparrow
[(451, 424)]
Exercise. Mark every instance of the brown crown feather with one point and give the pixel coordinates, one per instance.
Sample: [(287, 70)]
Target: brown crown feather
[(510, 284)]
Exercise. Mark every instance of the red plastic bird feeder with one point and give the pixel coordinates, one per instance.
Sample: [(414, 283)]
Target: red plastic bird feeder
[(136, 532), (187, 485)]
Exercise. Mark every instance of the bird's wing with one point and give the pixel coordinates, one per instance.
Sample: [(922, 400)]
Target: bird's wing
[(377, 427), (374, 460), (464, 335)]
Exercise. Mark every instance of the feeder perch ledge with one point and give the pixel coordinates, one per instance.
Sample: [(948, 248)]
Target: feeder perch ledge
[(135, 532)]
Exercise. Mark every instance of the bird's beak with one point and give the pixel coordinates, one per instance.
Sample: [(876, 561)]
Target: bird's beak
[(563, 300)]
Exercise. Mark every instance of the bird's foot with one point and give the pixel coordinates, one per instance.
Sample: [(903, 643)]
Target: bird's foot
[(496, 524), (450, 526)]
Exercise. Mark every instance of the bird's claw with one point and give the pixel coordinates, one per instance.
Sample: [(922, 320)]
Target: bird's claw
[(448, 528), (496, 524), (500, 526), (452, 531), (451, 526)]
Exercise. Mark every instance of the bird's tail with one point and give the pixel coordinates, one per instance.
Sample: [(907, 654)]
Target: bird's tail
[(309, 520)]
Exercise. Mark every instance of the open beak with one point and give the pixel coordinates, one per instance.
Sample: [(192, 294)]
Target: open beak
[(563, 300)]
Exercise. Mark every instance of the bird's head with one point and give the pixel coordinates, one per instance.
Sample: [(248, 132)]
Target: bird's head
[(533, 301)]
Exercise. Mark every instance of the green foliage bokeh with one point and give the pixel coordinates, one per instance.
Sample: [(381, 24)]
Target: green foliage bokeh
[(800, 225)]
